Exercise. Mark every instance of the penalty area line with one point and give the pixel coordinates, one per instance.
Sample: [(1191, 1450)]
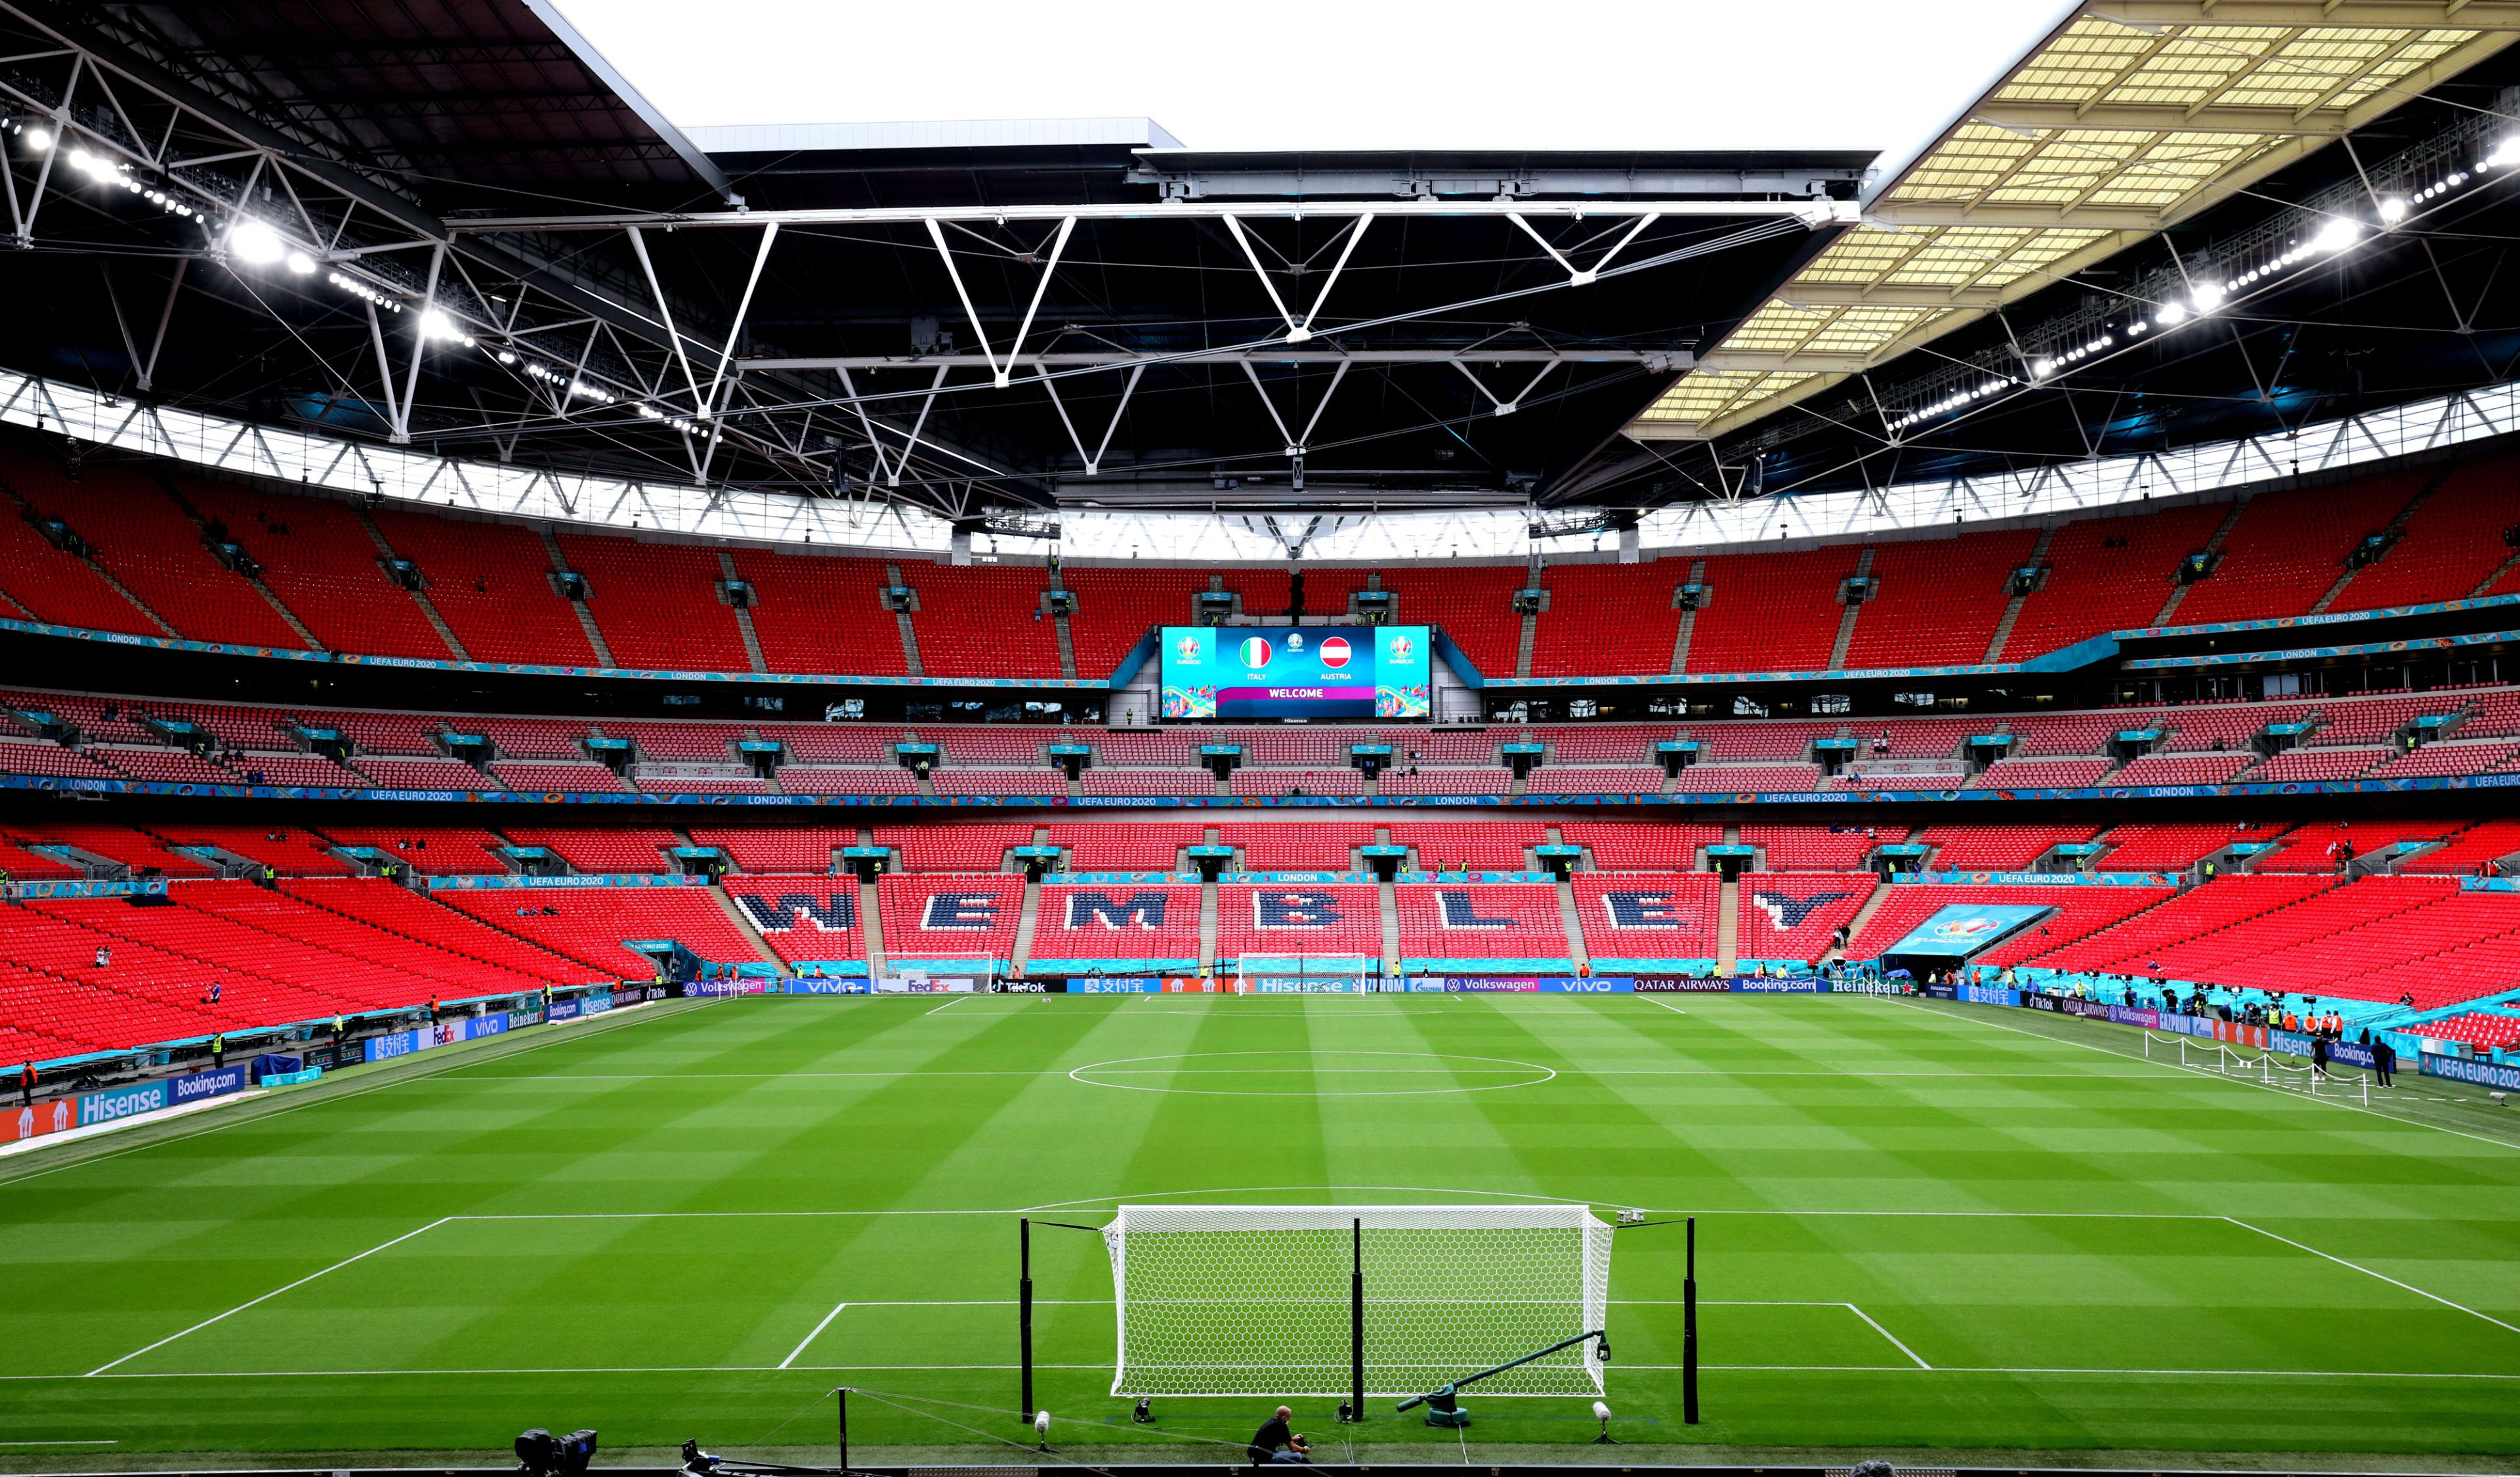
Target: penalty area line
[(268, 1296), (2368, 1272), (809, 1338)]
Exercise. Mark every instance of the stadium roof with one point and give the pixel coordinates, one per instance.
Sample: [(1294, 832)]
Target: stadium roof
[(477, 239), (2130, 116)]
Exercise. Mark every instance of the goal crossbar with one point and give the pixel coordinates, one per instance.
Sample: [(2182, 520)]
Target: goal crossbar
[(1256, 1299)]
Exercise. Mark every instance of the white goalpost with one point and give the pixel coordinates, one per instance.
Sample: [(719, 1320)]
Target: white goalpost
[(1260, 1299)]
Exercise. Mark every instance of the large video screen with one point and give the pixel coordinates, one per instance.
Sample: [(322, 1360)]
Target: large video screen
[(1285, 671)]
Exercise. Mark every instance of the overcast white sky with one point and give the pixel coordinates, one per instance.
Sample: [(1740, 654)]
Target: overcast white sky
[(1337, 73)]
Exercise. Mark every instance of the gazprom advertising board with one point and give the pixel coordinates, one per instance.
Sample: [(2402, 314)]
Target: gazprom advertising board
[(1285, 671)]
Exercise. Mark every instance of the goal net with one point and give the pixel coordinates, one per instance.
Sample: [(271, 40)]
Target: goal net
[(1255, 1299)]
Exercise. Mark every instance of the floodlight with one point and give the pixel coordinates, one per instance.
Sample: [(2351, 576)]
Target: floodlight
[(249, 240), (2042, 369), (39, 139), (2336, 236), (300, 264), (2205, 296), (2171, 313), (2506, 151), (2393, 209), (95, 166)]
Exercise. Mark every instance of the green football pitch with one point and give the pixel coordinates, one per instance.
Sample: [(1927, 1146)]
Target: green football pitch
[(1920, 1227)]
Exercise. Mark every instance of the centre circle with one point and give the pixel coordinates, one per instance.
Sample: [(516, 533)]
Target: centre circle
[(1313, 1074)]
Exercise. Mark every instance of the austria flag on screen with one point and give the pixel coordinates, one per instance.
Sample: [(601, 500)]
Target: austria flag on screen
[(1334, 653)]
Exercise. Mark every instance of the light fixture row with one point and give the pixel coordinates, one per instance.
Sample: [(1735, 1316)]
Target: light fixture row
[(2333, 236)]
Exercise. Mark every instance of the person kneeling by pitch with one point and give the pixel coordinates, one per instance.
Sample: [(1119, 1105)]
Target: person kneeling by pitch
[(1273, 1444)]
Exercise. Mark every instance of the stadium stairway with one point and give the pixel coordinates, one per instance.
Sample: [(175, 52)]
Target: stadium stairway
[(1845, 639), (1207, 918), (2213, 546), (1688, 621), (744, 925), (1727, 921), (585, 617), (1571, 917), (1856, 925), (1027, 921), (1059, 630), (2012, 606), (27, 513), (902, 623), (742, 617), (1387, 901), (269, 596), (2395, 527), (427, 607), (870, 919)]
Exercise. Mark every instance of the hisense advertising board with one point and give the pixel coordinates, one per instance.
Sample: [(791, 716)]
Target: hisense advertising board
[(1285, 671)]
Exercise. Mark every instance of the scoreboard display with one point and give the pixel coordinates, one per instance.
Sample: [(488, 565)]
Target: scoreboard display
[(1287, 672)]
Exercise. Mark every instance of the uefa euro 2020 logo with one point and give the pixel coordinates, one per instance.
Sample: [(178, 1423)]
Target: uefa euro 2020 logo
[(1402, 648), (1185, 651)]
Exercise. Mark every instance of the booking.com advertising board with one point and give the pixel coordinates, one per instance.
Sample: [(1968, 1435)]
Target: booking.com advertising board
[(1284, 671)]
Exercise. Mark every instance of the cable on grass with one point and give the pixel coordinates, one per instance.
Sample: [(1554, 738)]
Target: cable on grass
[(1108, 1431)]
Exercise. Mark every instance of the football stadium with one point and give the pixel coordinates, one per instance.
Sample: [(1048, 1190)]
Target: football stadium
[(988, 798)]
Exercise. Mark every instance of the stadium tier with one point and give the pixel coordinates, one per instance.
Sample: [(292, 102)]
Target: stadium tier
[(951, 920), (494, 593), (1513, 927), (1085, 930), (1793, 917), (2445, 733), (1627, 921), (805, 920), (1297, 921)]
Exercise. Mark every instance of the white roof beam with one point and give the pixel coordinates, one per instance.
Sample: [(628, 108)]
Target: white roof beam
[(2391, 15), (2164, 117)]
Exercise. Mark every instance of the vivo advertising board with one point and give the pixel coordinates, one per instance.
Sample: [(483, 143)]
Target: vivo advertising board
[(1284, 671)]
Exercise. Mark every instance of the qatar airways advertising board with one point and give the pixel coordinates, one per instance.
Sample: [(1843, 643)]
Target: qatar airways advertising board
[(1285, 671)]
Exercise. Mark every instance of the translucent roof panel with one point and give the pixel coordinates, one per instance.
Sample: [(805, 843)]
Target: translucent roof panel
[(2114, 128)]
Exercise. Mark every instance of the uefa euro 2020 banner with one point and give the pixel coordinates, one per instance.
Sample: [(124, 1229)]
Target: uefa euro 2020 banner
[(1962, 929), (1285, 671)]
